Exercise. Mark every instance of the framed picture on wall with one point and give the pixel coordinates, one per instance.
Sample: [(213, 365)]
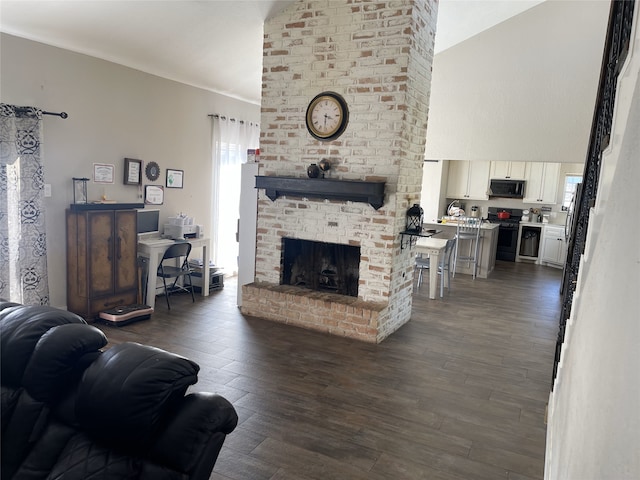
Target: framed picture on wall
[(174, 178), (132, 171), (102, 173), (153, 194)]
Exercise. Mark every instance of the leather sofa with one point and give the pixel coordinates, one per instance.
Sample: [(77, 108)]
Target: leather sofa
[(71, 408)]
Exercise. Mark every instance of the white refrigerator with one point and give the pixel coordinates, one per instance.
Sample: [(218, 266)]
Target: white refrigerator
[(247, 227)]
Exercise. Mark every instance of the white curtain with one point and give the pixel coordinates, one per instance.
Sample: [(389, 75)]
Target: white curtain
[(23, 241), (230, 140)]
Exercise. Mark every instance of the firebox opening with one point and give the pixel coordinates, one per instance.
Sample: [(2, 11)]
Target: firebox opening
[(329, 267)]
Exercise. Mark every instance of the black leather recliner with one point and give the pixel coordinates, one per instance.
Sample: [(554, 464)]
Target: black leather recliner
[(71, 410)]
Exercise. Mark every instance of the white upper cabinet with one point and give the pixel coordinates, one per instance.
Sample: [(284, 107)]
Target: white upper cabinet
[(508, 170), (542, 182), (458, 179), (468, 180)]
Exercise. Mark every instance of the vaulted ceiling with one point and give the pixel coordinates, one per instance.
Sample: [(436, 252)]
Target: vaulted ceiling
[(213, 44)]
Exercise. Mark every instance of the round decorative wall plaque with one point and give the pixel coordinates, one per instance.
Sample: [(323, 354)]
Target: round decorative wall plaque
[(152, 171)]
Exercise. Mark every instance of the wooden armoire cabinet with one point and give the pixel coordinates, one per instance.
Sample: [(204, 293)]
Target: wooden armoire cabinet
[(102, 268)]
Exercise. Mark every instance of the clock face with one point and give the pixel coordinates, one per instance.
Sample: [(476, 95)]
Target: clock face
[(327, 116)]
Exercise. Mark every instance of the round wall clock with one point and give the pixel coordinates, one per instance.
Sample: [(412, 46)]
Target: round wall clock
[(327, 116), (152, 171)]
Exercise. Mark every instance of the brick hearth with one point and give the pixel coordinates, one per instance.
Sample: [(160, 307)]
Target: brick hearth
[(326, 312)]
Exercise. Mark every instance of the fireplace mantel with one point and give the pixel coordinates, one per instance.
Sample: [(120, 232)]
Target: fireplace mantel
[(332, 189)]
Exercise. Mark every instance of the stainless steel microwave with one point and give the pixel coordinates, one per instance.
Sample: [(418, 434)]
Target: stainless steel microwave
[(506, 188)]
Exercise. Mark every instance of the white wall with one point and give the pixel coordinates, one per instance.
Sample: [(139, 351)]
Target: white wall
[(434, 187), (594, 411), (114, 112), (521, 91)]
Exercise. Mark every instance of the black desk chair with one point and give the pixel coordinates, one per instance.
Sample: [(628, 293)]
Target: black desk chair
[(178, 251)]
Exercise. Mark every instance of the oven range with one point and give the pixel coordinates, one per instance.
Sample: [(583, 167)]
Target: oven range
[(508, 231)]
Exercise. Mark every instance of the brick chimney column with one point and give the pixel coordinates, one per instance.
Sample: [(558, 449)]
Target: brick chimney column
[(378, 56)]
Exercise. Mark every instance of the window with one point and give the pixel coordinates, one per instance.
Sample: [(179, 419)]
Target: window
[(230, 141), (570, 183)]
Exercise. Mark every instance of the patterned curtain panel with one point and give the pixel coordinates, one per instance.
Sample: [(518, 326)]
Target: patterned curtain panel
[(23, 246)]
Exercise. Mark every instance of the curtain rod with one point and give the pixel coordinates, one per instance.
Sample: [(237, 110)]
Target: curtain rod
[(61, 114), (215, 115)]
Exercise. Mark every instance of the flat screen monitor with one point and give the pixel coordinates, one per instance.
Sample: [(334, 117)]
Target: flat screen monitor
[(148, 221)]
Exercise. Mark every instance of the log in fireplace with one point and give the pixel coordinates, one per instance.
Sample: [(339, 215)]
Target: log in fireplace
[(321, 266)]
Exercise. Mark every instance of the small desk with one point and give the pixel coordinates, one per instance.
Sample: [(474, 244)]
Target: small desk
[(432, 247), (154, 252)]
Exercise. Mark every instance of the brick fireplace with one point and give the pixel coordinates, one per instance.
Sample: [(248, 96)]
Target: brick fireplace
[(378, 56)]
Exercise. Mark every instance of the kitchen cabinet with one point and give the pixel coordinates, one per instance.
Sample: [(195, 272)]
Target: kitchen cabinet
[(542, 183), (508, 170), (468, 180), (102, 269), (554, 247)]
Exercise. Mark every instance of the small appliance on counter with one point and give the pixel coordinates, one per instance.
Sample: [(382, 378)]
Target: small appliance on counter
[(455, 209), (475, 211), (534, 216)]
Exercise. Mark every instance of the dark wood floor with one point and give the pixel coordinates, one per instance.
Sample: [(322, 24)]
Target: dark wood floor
[(457, 393)]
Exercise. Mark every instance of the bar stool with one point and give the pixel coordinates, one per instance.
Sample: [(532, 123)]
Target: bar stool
[(468, 231)]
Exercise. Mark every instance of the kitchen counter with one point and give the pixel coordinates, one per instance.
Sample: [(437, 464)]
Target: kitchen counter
[(488, 246), (543, 224)]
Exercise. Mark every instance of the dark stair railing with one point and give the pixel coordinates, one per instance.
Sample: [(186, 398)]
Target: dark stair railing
[(615, 52)]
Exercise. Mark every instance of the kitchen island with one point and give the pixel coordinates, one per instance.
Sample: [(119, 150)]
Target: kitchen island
[(487, 251)]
